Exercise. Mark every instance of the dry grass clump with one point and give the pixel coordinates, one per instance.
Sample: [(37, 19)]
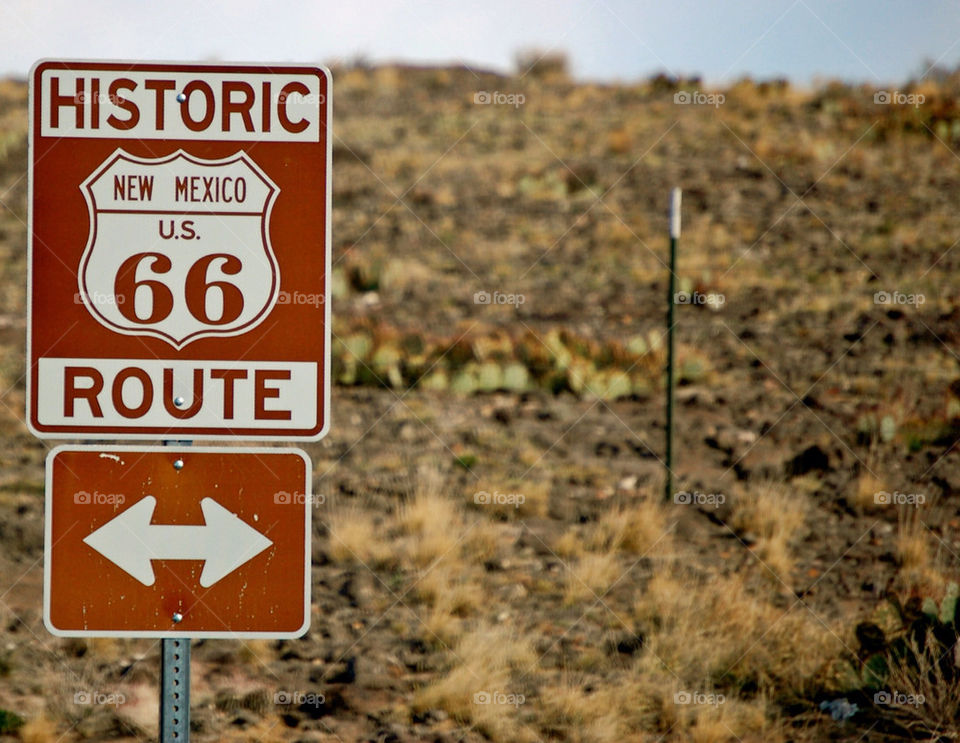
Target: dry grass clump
[(713, 630), (434, 527), (734, 721), (865, 494), (482, 662), (640, 530), (583, 717), (441, 628), (590, 577), (482, 542), (451, 586), (419, 513), (452, 591), (39, 730), (596, 553), (355, 535), (923, 680), (774, 517), (448, 553), (632, 529), (652, 700), (912, 546), (914, 550), (570, 543)]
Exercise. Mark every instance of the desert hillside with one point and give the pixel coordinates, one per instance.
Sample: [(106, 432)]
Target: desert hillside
[(493, 555)]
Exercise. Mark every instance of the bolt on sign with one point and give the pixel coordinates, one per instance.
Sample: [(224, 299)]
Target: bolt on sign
[(177, 542), (179, 252)]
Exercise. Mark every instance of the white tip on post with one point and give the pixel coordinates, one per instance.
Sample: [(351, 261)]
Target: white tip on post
[(675, 213)]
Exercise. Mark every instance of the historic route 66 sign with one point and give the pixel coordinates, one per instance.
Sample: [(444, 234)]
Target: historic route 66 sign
[(179, 247), (179, 251)]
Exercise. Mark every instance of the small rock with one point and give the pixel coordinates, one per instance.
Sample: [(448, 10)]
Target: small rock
[(243, 719), (811, 459), (626, 644), (871, 638), (627, 483), (347, 674), (839, 709)]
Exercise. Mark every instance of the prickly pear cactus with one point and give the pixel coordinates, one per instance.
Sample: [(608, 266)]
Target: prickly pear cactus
[(557, 361)]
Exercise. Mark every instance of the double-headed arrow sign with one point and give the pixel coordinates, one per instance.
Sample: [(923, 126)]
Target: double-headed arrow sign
[(224, 542), (229, 526)]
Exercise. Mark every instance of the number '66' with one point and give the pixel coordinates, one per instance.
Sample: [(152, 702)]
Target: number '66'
[(195, 291)]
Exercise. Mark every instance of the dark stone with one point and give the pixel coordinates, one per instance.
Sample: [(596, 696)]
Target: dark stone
[(871, 638), (606, 448), (626, 644), (811, 459), (345, 675)]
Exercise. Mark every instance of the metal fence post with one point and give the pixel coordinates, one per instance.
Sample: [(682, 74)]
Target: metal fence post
[(671, 303)]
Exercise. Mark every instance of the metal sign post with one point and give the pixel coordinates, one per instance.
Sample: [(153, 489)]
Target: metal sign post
[(175, 677), (671, 302), (175, 690)]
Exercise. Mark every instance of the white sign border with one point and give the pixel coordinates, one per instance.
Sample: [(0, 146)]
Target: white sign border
[(155, 634)]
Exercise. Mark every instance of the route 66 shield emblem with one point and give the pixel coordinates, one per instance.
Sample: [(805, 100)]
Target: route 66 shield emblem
[(179, 247)]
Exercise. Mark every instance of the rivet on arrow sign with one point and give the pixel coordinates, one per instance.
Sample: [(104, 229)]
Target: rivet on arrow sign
[(177, 617), (178, 464)]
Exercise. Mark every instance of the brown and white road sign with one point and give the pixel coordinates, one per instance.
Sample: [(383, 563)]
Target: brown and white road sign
[(179, 252), (177, 541)]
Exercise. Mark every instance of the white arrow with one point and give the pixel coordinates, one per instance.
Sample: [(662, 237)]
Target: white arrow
[(224, 542)]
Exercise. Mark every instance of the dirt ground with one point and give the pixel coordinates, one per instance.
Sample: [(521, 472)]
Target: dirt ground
[(493, 555)]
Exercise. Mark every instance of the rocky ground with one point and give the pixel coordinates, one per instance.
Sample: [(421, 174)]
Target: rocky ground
[(813, 538)]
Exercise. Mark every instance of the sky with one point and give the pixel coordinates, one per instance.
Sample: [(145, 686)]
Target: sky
[(873, 41)]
